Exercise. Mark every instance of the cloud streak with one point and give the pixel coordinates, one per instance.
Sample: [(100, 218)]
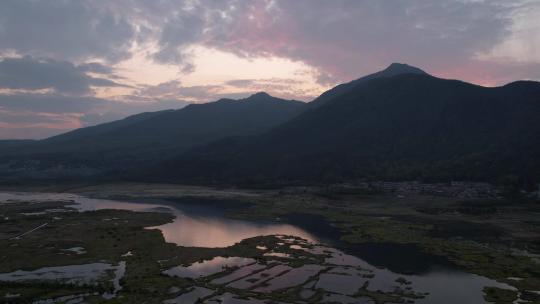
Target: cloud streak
[(28, 73)]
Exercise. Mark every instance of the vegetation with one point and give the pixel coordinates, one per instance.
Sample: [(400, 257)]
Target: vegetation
[(500, 296), (106, 236)]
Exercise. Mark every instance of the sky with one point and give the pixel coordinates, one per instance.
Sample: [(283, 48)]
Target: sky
[(71, 64)]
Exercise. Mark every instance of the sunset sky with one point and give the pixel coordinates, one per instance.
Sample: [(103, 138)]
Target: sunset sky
[(69, 64)]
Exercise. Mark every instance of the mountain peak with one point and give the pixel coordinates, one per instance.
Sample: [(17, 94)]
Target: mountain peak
[(260, 95), (263, 98), (392, 70), (401, 68)]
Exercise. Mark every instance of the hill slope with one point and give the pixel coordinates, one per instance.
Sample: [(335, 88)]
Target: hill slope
[(392, 70), (184, 128), (151, 137), (409, 126)]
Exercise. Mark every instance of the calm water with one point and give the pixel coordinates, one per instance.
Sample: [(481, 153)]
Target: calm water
[(194, 226), (206, 226)]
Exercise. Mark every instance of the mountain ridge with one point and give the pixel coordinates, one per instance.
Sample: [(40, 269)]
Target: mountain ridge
[(150, 137), (397, 124), (407, 125)]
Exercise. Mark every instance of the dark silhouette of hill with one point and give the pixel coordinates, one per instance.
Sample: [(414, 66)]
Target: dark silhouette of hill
[(11, 143), (397, 124), (184, 128), (150, 137), (402, 127), (392, 70)]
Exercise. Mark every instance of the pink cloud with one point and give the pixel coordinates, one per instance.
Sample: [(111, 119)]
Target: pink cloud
[(346, 40)]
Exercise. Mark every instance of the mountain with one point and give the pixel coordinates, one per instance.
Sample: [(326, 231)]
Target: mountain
[(94, 132), (392, 70), (9, 143), (150, 137), (397, 124), (402, 127), (184, 128)]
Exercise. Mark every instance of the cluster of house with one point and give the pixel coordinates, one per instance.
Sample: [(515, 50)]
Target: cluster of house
[(464, 190)]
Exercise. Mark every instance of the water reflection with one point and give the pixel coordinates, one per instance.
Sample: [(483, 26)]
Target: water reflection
[(193, 226), (295, 276), (71, 274), (191, 297), (198, 231), (464, 287), (206, 268)]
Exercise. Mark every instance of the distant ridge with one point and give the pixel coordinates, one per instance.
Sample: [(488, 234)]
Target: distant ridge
[(148, 138)]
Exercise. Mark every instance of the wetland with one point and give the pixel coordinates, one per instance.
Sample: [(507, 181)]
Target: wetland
[(144, 243)]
